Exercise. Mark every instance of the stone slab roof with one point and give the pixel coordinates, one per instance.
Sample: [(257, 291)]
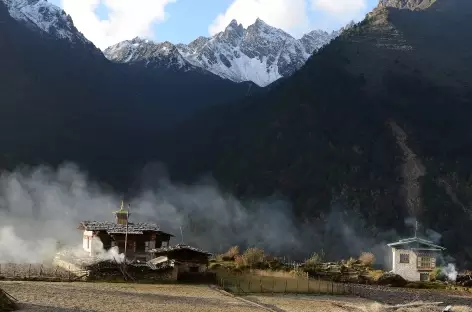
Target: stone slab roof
[(115, 228), (165, 250)]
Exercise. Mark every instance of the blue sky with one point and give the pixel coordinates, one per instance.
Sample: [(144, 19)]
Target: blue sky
[(107, 22)]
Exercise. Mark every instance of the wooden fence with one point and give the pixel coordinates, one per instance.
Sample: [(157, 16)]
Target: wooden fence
[(252, 283), (12, 271)]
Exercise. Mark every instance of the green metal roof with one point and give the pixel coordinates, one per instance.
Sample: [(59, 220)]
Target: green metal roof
[(417, 240)]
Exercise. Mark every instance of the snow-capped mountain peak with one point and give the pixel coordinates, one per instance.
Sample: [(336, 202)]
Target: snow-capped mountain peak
[(44, 16), (259, 53), (148, 53)]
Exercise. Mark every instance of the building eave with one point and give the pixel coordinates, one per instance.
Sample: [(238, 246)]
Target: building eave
[(178, 247), (413, 240)]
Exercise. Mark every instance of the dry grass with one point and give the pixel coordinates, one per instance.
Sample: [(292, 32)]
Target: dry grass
[(232, 252), (374, 275), (367, 258)]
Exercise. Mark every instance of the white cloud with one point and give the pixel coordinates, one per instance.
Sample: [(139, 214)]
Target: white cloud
[(340, 8), (289, 15), (126, 18)]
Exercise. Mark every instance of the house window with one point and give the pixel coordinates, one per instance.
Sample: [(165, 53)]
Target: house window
[(404, 258), (424, 277), (425, 262)]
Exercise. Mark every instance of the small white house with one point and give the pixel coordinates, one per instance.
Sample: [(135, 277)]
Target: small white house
[(414, 258)]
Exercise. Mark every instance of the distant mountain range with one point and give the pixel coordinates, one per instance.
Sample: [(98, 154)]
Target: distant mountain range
[(261, 53)]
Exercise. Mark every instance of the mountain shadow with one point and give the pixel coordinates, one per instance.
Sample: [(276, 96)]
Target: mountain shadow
[(378, 118), (66, 102)]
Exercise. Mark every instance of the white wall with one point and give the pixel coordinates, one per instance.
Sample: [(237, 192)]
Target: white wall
[(87, 241), (408, 271)]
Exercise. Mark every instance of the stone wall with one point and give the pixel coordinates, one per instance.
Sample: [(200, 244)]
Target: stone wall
[(137, 273)]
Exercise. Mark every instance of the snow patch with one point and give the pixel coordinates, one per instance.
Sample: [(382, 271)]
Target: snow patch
[(45, 16), (261, 53)]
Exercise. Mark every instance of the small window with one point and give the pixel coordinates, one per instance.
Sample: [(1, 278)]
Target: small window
[(404, 258), (424, 277)]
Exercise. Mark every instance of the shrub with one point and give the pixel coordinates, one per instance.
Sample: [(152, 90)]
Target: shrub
[(367, 259), (253, 256), (297, 272), (438, 275), (231, 254), (314, 261), (239, 261), (274, 264), (374, 275)]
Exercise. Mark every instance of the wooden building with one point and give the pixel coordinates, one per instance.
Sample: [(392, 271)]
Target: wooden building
[(415, 258), (140, 238), (185, 258)]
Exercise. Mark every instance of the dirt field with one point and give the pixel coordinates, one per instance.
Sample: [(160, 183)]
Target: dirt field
[(98, 297), (88, 297)]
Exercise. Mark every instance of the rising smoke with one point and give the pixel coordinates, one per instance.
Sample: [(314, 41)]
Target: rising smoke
[(41, 206)]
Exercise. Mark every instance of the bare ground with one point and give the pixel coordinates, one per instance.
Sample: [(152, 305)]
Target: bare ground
[(98, 297), (394, 295), (82, 297)]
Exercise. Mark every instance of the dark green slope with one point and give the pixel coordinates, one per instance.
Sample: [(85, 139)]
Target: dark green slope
[(332, 130), (61, 102)]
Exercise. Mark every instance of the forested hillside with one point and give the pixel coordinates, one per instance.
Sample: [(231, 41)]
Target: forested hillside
[(64, 101), (379, 118)]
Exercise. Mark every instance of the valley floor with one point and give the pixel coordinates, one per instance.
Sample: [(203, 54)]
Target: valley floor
[(98, 297)]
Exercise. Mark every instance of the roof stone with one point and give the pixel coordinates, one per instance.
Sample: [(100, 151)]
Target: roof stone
[(178, 247), (116, 228)]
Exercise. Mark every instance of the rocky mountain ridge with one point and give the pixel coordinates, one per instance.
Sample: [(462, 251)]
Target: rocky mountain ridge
[(376, 123), (47, 18), (261, 53)]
